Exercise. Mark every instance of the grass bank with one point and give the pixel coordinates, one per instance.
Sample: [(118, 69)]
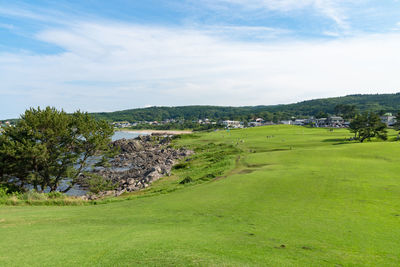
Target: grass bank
[(275, 196), (39, 199)]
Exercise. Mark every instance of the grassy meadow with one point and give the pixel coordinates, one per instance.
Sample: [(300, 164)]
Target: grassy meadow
[(265, 196)]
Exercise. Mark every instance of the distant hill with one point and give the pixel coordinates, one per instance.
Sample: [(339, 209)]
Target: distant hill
[(379, 103)]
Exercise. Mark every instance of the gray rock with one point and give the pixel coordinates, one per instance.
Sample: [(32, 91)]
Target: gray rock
[(144, 160)]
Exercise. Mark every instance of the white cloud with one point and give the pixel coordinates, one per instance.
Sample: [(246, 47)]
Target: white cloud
[(113, 66), (7, 26), (333, 9)]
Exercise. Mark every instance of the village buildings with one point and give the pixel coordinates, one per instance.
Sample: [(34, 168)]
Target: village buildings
[(328, 122)]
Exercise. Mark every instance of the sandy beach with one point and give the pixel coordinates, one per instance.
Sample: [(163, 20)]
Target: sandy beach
[(156, 131)]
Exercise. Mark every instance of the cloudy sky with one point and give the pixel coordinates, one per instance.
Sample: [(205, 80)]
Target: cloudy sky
[(108, 55)]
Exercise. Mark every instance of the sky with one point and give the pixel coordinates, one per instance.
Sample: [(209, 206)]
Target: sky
[(108, 55)]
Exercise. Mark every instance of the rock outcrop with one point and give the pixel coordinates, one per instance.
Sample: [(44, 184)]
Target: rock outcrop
[(140, 162)]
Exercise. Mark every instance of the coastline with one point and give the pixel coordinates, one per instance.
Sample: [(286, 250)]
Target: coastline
[(173, 132)]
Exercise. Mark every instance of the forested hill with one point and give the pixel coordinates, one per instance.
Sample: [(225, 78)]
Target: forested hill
[(379, 103)]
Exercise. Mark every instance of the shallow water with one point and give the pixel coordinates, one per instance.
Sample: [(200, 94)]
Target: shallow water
[(76, 190), (127, 135)]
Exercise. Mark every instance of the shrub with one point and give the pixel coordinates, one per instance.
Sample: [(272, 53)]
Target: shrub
[(187, 180), (182, 165), (208, 177), (33, 195), (97, 183), (55, 194), (3, 192)]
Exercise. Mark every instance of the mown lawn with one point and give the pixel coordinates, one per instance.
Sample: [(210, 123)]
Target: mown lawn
[(281, 196)]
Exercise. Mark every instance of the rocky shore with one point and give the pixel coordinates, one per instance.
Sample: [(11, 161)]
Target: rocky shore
[(140, 162)]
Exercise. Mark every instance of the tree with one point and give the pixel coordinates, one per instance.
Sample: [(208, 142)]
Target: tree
[(347, 111), (368, 125), (321, 114), (48, 146)]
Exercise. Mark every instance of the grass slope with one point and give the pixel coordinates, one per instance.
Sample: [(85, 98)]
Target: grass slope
[(288, 196)]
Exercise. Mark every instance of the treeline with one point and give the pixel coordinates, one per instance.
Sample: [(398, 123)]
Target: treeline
[(377, 103), (192, 113), (177, 126)]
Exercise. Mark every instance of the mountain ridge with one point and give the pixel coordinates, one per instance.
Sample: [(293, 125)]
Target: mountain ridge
[(380, 103)]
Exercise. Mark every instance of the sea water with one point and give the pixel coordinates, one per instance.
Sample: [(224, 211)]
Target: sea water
[(76, 190)]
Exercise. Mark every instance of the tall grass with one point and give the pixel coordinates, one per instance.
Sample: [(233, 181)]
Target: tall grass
[(38, 199)]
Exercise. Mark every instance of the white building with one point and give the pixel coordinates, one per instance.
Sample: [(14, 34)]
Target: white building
[(232, 124), (299, 122), (388, 119)]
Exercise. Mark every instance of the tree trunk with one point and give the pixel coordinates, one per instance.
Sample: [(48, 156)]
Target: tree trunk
[(66, 190)]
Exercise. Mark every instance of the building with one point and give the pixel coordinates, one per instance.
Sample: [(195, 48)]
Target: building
[(388, 119), (121, 124), (321, 122), (255, 124), (299, 122), (335, 121), (232, 124)]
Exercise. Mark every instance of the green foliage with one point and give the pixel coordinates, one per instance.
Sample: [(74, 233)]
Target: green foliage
[(323, 203), (45, 145), (181, 165), (42, 199), (346, 111), (55, 195), (321, 114), (190, 115), (96, 183), (3, 191), (186, 180), (195, 126), (397, 123), (368, 125), (346, 106)]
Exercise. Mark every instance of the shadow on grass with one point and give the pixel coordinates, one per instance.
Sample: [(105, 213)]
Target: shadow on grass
[(338, 141)]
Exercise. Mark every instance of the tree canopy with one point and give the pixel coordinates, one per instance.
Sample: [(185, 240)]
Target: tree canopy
[(47, 146), (346, 106), (368, 125)]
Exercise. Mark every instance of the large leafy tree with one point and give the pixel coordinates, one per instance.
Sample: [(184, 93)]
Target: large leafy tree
[(47, 146), (368, 125)]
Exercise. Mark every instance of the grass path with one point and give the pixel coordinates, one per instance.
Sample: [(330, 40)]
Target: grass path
[(291, 197)]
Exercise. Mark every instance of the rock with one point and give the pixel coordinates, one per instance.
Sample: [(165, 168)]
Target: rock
[(144, 160), (109, 193)]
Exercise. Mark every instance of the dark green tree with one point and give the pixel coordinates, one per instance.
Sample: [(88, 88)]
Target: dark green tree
[(345, 110), (321, 114), (47, 146), (368, 125)]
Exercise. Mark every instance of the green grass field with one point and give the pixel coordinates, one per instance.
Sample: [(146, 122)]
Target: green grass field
[(266, 196)]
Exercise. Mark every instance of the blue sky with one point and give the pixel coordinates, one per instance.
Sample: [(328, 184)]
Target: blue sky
[(111, 55)]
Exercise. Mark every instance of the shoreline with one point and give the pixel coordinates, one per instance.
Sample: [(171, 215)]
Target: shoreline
[(173, 132)]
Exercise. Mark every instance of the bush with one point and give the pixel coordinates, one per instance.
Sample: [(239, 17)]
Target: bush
[(97, 183), (208, 177), (55, 194), (33, 195), (186, 180), (3, 191), (182, 165)]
